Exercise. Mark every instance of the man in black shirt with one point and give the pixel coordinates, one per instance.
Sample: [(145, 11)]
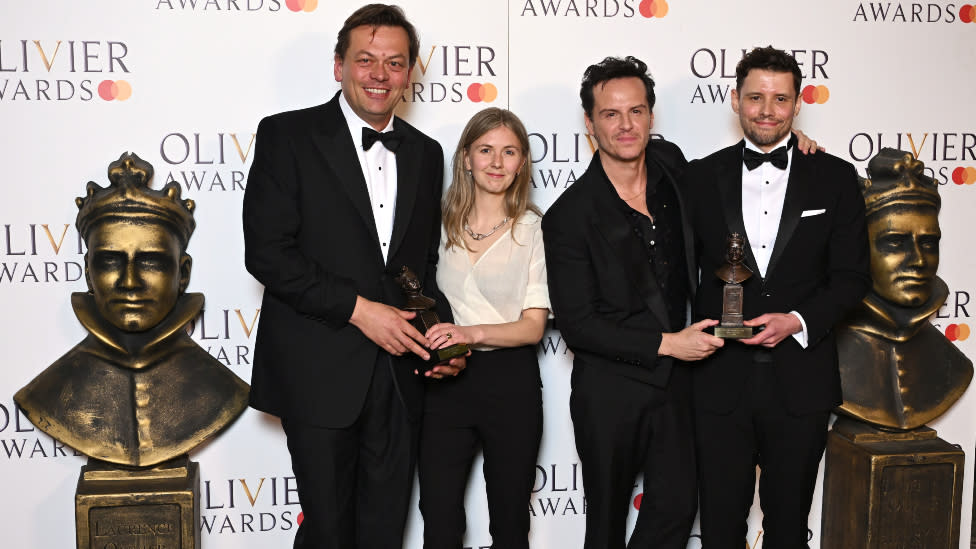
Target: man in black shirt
[(620, 276)]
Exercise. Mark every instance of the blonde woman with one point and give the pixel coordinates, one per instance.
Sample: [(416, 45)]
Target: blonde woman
[(492, 270)]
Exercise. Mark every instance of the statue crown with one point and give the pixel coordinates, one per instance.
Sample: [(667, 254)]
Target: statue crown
[(896, 178), (129, 199)]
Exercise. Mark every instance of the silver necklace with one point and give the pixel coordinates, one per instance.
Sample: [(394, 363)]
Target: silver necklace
[(480, 236)]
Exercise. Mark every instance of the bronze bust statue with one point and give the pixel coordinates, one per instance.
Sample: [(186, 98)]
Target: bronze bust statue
[(137, 391), (733, 271), (897, 370)]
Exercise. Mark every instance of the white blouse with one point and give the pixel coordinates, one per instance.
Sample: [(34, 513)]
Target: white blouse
[(509, 277)]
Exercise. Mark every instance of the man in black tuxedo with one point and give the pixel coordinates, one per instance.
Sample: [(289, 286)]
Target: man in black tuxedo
[(330, 217), (618, 250), (765, 400)]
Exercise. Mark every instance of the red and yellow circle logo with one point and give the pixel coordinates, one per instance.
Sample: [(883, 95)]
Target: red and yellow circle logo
[(967, 13), (964, 175), (302, 5), (815, 94), (957, 332), (486, 92), (117, 90), (653, 8)]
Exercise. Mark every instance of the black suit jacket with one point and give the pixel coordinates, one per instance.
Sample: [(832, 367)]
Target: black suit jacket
[(606, 299), (818, 267), (311, 240)]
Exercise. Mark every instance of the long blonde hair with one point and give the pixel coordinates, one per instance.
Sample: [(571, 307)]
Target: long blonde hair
[(459, 198)]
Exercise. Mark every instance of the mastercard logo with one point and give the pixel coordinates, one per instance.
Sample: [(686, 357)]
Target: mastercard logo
[(815, 94), (957, 332), (653, 8), (302, 5), (964, 175), (967, 13), (482, 92), (114, 90)]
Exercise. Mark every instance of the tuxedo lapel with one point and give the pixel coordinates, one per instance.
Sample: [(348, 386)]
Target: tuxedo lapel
[(408, 179), (801, 169), (336, 145), (728, 174), (618, 234)]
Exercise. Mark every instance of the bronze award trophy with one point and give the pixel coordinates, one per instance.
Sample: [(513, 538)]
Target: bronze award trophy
[(889, 480), (426, 317), (734, 273), (137, 393)]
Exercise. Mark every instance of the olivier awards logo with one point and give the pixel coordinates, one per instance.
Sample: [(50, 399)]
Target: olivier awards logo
[(63, 70), (238, 6), (226, 333), (557, 491), (715, 69), (558, 159), (597, 9), (913, 12), (946, 154), (207, 162), (259, 505), (444, 73), (41, 253)]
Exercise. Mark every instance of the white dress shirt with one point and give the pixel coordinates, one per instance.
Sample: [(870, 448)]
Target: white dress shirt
[(509, 277), (379, 169), (763, 194)]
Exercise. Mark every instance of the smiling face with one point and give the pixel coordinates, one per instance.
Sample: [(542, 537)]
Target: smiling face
[(494, 160), (766, 104), (374, 72), (136, 273), (904, 254), (621, 121)]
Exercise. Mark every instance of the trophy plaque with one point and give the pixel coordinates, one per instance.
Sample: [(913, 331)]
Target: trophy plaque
[(138, 507), (426, 317), (886, 488), (733, 273)]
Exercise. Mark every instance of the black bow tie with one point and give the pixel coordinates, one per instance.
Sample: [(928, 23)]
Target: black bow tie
[(754, 159), (391, 139)]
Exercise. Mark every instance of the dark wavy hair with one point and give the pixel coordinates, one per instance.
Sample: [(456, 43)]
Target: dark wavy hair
[(770, 59), (610, 68), (377, 15)]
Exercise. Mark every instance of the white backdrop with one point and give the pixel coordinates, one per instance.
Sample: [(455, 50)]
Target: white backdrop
[(192, 78)]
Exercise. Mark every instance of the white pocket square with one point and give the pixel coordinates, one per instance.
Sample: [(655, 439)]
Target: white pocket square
[(809, 213)]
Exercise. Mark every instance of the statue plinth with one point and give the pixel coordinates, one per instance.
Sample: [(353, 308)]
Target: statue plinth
[(117, 506), (890, 488)]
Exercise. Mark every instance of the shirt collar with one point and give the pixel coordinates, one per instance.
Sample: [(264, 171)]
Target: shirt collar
[(355, 123), (782, 143)]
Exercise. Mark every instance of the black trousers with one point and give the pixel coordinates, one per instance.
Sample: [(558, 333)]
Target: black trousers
[(624, 427), (496, 403), (355, 483), (787, 448)]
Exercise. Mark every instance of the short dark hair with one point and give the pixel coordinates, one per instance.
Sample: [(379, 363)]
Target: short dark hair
[(377, 15), (610, 68), (770, 59)]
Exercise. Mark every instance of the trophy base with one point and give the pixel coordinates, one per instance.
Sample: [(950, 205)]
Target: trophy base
[(443, 355), (733, 332), (119, 506), (447, 353), (887, 489)]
